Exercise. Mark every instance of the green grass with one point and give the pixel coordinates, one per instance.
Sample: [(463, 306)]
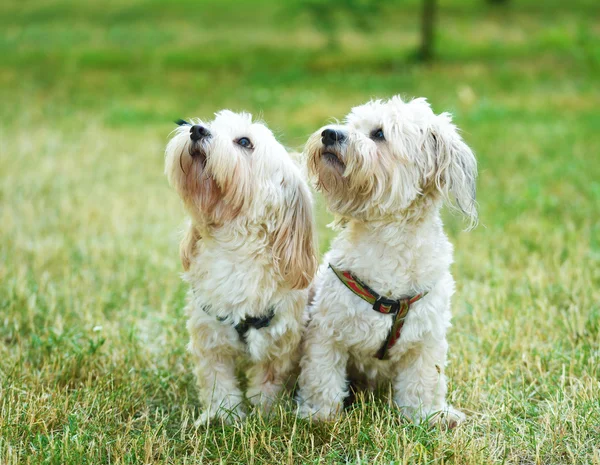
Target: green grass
[(93, 367)]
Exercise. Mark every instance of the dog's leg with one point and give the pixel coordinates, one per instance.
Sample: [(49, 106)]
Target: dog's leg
[(420, 386), (214, 367), (323, 382), (266, 381), (276, 362)]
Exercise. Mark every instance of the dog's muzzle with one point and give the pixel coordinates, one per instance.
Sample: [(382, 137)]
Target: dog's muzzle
[(198, 132), (198, 135), (332, 157), (332, 137)]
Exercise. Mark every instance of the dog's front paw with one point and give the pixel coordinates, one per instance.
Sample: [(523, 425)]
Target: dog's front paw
[(446, 418), (222, 415), (204, 419), (265, 396), (449, 418), (311, 412)]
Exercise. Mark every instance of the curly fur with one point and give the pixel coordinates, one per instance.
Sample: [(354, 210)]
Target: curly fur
[(249, 247), (387, 196)]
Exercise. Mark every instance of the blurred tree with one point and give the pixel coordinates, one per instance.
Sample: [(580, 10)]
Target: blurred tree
[(427, 29), (327, 15)]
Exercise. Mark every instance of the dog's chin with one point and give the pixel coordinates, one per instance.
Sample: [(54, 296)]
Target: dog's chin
[(328, 171), (332, 160), (198, 154)]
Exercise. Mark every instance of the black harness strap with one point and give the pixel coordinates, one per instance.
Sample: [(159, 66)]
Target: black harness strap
[(253, 322), (248, 323)]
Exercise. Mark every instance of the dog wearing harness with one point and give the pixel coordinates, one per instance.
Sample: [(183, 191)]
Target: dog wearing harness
[(248, 254), (398, 309), (381, 306)]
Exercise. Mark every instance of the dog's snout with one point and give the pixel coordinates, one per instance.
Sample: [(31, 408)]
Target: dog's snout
[(198, 132), (331, 136)]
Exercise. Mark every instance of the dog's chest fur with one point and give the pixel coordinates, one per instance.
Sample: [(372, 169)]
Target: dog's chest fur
[(396, 262), (235, 279)]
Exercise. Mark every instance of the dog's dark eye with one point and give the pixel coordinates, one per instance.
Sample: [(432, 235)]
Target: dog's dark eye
[(377, 134), (245, 142)]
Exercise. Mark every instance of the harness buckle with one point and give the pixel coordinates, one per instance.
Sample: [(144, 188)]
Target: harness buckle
[(387, 306)]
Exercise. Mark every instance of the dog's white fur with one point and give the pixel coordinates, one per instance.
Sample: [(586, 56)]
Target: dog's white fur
[(249, 247), (387, 197)]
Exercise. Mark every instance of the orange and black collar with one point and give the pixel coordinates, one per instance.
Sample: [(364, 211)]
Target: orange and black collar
[(398, 308)]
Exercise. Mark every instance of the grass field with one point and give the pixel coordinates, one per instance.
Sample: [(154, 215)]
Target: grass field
[(93, 367)]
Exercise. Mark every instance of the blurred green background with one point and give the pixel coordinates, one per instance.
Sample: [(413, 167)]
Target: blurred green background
[(92, 335), (520, 77)]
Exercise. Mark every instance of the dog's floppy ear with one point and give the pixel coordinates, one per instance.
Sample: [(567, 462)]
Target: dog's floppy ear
[(455, 166), (294, 247), (188, 245)]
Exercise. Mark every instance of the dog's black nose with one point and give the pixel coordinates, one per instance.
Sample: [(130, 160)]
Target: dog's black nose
[(198, 132), (331, 136)]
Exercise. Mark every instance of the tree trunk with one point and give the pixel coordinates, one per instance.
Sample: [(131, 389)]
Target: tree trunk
[(427, 30)]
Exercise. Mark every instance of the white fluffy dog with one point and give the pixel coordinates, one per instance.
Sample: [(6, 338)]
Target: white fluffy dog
[(382, 297), (249, 255)]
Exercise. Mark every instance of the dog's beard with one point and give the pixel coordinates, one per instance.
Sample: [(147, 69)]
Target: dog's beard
[(326, 166), (206, 199), (197, 153), (345, 182), (328, 169), (332, 180), (197, 187), (330, 158)]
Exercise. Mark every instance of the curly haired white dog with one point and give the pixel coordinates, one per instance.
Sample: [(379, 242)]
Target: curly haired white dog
[(249, 255), (382, 297)]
